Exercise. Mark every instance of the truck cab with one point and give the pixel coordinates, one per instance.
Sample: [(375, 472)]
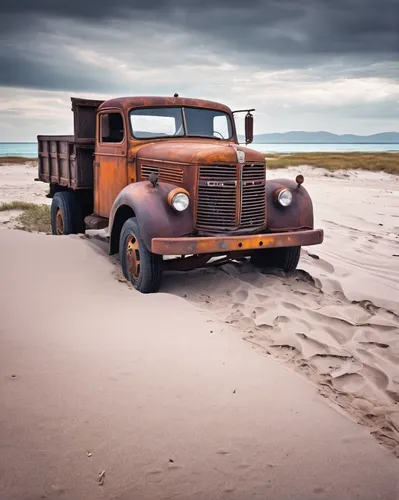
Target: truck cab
[(166, 176)]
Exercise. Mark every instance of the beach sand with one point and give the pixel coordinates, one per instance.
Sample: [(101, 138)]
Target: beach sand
[(335, 319), (163, 395)]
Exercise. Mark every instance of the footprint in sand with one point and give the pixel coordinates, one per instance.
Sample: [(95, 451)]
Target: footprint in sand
[(259, 310), (352, 383), (290, 306), (324, 265), (241, 295), (261, 298), (376, 376), (281, 319)]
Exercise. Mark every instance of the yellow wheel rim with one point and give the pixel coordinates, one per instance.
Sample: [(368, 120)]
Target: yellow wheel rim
[(59, 222), (133, 257)]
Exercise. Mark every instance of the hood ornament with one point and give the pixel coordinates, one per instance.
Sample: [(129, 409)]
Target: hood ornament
[(240, 155)]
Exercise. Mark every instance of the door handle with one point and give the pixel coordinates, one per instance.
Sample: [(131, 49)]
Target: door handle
[(96, 163)]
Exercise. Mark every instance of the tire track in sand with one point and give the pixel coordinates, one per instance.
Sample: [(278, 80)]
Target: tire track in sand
[(349, 349)]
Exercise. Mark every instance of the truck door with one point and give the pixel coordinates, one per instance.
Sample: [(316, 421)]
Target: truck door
[(110, 164)]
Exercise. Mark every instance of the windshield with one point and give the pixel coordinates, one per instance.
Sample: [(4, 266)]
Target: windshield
[(148, 123)]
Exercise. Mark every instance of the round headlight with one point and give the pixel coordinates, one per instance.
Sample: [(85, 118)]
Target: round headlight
[(180, 202), (285, 197)]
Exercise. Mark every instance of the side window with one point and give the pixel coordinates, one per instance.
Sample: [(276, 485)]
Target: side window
[(221, 127), (111, 127)]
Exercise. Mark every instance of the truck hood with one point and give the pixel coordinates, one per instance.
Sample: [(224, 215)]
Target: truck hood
[(198, 152)]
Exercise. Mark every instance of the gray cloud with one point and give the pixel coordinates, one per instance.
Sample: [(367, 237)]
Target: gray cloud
[(225, 51), (276, 33)]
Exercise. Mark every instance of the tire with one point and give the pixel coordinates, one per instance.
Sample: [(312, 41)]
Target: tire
[(66, 214), (285, 258), (139, 266)]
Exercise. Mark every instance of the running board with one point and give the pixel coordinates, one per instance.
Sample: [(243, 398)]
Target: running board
[(95, 222)]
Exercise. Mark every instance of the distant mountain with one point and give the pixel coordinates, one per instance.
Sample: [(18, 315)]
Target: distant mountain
[(326, 138)]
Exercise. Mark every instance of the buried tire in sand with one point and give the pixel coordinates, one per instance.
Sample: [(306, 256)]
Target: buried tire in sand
[(66, 214), (286, 258), (140, 266), (201, 198)]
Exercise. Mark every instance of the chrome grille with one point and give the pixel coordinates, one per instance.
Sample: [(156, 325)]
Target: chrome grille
[(253, 188), (174, 175), (221, 187), (216, 201)]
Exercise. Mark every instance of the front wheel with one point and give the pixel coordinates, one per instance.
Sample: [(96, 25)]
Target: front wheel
[(139, 266), (285, 258)]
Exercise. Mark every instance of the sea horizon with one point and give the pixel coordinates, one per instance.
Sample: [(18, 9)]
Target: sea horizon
[(29, 149)]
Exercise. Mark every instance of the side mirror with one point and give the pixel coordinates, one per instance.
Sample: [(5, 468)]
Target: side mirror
[(249, 128)]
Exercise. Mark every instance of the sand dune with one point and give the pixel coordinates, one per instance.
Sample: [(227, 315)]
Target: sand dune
[(350, 350), (109, 394), (336, 319), (164, 395)]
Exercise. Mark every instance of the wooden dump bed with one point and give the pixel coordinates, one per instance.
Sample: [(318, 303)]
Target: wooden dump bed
[(63, 162), (67, 160)]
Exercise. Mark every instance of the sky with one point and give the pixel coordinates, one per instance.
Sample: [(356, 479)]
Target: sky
[(302, 64)]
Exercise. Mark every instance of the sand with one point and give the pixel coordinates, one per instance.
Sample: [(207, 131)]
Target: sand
[(336, 319), (162, 393), (17, 184)]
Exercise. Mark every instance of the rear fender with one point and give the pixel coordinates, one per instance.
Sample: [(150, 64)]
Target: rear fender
[(155, 217), (299, 215)]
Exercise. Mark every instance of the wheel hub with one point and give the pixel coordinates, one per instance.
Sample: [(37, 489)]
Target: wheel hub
[(133, 257), (59, 222)]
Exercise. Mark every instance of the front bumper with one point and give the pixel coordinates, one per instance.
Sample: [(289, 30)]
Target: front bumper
[(226, 244)]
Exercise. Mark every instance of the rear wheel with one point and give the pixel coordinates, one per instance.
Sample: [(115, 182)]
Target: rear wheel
[(140, 266), (286, 258), (66, 214)]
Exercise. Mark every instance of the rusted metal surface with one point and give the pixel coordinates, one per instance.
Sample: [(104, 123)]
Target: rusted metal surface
[(110, 168), (219, 244), (128, 103), (84, 119), (232, 206), (197, 151), (299, 215), (63, 162), (133, 256), (59, 222), (155, 217), (231, 197), (95, 222)]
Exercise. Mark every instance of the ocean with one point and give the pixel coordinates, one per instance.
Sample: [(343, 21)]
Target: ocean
[(29, 149)]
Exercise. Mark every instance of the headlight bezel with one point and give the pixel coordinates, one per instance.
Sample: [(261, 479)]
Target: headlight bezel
[(178, 192), (283, 194)]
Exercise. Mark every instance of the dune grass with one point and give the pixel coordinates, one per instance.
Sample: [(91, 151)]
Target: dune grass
[(16, 205), (34, 217), (17, 160), (376, 162)]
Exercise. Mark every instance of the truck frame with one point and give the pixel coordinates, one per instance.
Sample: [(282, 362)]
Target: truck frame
[(166, 176)]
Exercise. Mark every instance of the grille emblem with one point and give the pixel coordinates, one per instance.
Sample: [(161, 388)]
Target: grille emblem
[(221, 184), (240, 156)]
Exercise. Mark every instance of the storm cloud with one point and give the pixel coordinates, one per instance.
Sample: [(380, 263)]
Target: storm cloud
[(279, 55)]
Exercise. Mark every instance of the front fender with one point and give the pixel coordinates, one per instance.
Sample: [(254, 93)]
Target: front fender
[(155, 217), (299, 215)]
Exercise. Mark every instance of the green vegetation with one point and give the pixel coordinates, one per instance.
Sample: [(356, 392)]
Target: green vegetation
[(33, 217), (376, 162)]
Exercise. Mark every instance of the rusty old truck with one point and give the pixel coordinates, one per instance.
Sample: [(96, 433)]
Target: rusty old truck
[(171, 186)]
